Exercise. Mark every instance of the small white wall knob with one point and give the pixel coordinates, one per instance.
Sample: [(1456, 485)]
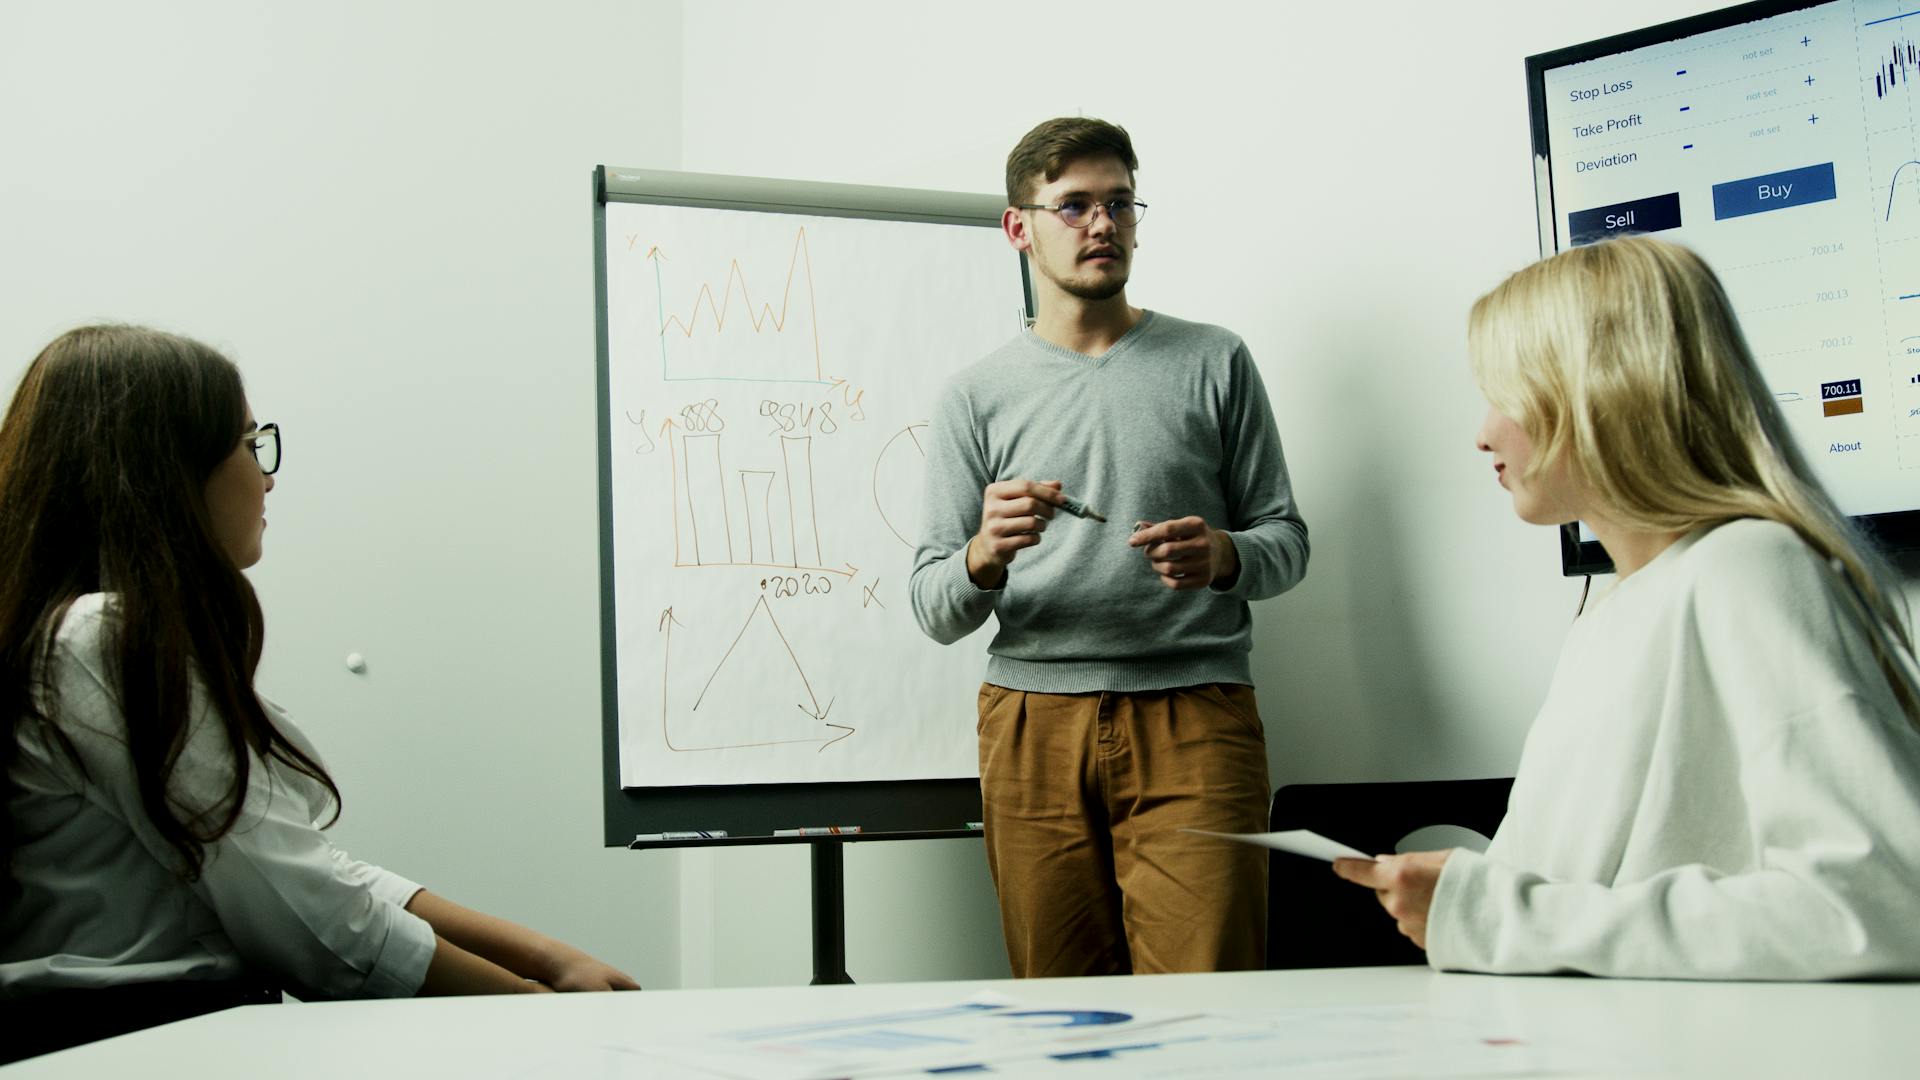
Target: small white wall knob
[(356, 663)]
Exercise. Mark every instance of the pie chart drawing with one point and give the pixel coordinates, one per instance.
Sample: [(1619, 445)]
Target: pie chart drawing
[(899, 480)]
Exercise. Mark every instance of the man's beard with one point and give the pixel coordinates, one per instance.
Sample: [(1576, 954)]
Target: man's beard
[(1105, 288), (1099, 290)]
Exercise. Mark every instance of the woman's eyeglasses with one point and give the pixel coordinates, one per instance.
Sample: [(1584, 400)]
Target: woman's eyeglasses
[(264, 441)]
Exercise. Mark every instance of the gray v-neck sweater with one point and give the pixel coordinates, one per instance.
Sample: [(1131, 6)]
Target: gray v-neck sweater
[(1173, 420)]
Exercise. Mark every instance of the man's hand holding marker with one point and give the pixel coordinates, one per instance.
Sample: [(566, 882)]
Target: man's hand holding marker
[(1186, 553)]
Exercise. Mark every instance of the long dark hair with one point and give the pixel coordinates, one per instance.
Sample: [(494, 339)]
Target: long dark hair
[(104, 459)]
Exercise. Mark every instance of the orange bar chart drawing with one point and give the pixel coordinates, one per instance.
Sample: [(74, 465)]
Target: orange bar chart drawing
[(765, 518)]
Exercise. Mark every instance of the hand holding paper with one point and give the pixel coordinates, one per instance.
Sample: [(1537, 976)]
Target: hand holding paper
[(1404, 884), (1297, 841)]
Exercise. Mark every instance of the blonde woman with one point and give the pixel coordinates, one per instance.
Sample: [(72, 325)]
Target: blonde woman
[(1724, 779)]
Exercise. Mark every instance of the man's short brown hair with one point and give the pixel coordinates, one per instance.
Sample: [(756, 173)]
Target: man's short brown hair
[(1048, 149)]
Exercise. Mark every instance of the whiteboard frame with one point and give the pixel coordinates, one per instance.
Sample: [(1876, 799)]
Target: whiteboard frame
[(749, 813)]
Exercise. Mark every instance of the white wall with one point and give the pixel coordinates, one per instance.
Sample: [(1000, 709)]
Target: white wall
[(382, 211), (1335, 182)]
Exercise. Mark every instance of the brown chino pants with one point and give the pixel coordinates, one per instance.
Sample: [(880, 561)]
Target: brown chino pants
[(1084, 798)]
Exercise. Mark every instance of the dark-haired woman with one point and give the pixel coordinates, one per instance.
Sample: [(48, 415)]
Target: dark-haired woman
[(162, 821)]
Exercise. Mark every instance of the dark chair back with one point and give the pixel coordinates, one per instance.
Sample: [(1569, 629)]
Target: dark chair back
[(1317, 920), (67, 1018)]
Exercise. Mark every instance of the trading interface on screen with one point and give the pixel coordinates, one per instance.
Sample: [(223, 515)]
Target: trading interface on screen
[(1786, 151)]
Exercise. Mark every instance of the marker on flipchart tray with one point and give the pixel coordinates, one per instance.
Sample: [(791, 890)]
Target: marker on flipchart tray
[(976, 826), (1080, 510), (682, 834), (818, 830)]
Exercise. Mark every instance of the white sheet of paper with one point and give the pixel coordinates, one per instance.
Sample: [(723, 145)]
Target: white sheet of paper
[(1298, 841)]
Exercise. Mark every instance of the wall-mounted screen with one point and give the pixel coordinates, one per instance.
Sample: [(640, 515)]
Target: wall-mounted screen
[(1781, 141)]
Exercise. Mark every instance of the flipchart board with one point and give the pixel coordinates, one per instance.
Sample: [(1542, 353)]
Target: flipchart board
[(769, 353)]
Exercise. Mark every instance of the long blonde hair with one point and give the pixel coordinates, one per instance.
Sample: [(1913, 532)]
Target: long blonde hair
[(1623, 360)]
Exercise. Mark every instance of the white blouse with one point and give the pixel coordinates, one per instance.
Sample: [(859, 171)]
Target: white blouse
[(101, 901), (1720, 785)]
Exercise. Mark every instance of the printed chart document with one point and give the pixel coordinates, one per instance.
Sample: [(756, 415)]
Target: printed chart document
[(981, 1031), (1297, 841), (990, 1036)]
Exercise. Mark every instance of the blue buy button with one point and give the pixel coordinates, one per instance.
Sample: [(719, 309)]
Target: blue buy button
[(1774, 191)]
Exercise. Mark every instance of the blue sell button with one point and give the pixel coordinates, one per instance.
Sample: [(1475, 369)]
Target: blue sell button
[(1774, 191)]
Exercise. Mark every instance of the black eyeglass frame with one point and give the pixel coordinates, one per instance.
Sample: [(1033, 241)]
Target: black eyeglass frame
[(256, 436), (1138, 208)]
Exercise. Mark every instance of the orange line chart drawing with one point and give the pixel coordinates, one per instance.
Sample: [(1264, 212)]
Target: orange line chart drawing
[(759, 318), (760, 615), (702, 513)]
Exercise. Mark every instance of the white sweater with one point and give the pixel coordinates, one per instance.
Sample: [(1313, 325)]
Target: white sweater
[(1720, 785)]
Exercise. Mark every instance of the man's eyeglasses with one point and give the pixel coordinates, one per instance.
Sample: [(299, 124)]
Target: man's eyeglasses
[(264, 441), (1078, 213)]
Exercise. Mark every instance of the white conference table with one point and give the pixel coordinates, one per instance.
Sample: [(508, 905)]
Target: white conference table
[(1604, 1027)]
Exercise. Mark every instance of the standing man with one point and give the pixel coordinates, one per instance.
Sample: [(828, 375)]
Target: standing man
[(1118, 706)]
